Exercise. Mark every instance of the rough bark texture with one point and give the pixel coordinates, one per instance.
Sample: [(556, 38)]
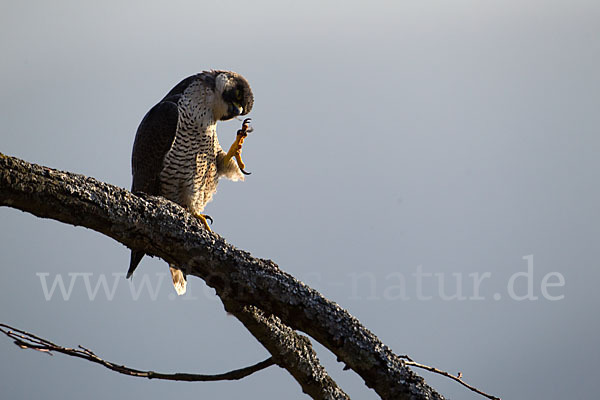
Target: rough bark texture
[(164, 229), (290, 350)]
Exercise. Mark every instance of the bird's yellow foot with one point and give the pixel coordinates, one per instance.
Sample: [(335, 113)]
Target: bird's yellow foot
[(236, 148), (204, 219)]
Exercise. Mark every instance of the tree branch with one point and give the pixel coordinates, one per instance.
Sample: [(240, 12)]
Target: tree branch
[(290, 351), (26, 340), (311, 382), (162, 228)]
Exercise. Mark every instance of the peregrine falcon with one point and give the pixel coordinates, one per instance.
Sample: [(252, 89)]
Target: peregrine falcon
[(176, 153)]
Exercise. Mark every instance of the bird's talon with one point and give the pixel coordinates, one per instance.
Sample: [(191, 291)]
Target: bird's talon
[(204, 218), (236, 148), (246, 128)]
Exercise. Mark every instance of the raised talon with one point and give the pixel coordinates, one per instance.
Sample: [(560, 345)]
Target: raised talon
[(236, 148), (246, 128)]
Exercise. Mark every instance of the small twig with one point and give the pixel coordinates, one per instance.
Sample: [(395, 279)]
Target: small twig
[(26, 340), (457, 378)]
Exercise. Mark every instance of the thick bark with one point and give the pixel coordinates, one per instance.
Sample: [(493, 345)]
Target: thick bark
[(162, 228), (290, 350), (298, 350)]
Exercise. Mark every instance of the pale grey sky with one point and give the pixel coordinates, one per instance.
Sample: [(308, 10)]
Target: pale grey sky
[(392, 140)]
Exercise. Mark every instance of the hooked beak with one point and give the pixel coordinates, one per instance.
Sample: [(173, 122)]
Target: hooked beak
[(235, 110)]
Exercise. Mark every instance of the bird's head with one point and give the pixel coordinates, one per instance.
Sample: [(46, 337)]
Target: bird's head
[(233, 95)]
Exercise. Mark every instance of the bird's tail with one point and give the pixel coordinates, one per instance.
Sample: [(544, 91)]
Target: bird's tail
[(179, 281), (136, 257), (179, 278)]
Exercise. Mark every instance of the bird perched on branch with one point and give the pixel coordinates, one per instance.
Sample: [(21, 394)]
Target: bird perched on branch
[(176, 153)]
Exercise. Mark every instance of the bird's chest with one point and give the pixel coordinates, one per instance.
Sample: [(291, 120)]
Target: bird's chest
[(189, 176)]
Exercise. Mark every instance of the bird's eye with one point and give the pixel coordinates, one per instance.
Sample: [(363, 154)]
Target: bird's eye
[(238, 94)]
